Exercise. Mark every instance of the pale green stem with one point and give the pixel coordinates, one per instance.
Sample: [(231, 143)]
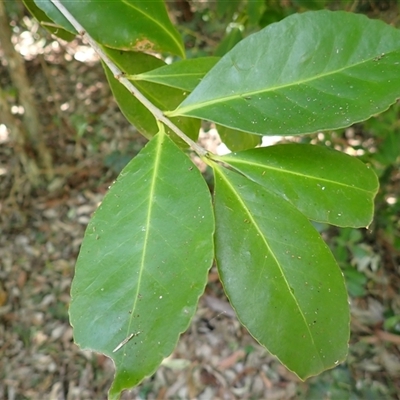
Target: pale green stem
[(120, 76)]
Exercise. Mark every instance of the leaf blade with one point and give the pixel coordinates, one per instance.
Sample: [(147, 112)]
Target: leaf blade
[(143, 263), (325, 185), (319, 79), (184, 74), (237, 140), (152, 29), (46, 22), (280, 276)]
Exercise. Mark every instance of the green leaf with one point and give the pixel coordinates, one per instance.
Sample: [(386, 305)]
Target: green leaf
[(184, 74), (279, 276), (131, 25), (325, 185), (311, 4), (237, 140), (233, 37), (161, 96), (355, 282), (143, 263), (312, 71), (46, 22), (53, 14), (255, 10), (227, 8), (275, 12)]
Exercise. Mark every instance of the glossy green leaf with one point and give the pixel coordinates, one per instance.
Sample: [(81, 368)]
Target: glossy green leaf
[(161, 96), (143, 263), (279, 276), (237, 140), (184, 74), (325, 185), (46, 22), (312, 71), (131, 25)]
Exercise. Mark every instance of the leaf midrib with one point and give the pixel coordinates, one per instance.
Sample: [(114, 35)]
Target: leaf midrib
[(153, 76), (160, 139), (218, 169)]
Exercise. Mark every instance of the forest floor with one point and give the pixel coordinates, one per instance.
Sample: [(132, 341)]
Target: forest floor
[(41, 232)]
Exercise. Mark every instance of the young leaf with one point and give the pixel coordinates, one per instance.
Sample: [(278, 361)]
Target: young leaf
[(279, 276), (184, 74), (143, 262), (160, 95), (152, 29), (312, 71), (325, 185)]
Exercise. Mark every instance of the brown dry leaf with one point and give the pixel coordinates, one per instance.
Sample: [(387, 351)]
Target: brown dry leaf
[(3, 295), (22, 278), (232, 359), (389, 337)]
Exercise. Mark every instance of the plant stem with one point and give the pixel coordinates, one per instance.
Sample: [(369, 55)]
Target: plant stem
[(120, 76)]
